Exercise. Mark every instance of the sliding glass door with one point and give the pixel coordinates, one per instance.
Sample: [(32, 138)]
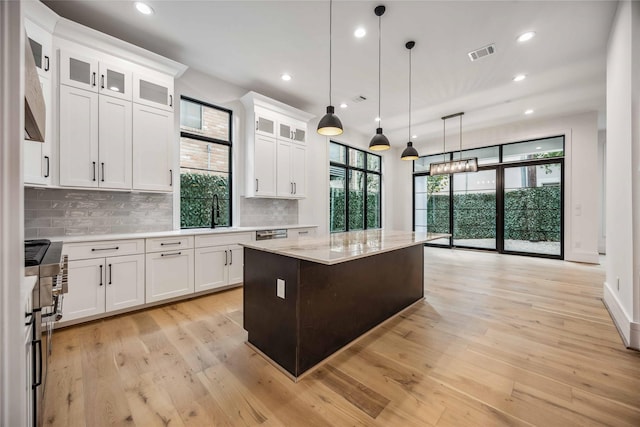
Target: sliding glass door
[(474, 209), (533, 209)]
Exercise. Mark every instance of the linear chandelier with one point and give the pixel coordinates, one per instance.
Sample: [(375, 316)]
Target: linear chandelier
[(453, 166)]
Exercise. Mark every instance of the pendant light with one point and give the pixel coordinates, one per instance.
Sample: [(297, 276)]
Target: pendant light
[(330, 124), (453, 166), (379, 142), (409, 153)]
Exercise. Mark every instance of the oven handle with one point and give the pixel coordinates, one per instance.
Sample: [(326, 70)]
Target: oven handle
[(38, 343)]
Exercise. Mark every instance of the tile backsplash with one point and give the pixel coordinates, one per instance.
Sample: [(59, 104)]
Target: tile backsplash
[(258, 212), (59, 212)]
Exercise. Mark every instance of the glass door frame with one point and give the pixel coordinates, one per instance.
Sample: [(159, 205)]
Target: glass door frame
[(499, 168)]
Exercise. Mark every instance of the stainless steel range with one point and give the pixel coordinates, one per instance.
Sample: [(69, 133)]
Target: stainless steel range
[(45, 260)]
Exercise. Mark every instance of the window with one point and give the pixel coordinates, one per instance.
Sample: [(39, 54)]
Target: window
[(205, 164), (354, 189)]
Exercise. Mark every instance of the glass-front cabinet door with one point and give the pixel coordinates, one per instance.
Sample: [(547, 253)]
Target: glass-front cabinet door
[(78, 70), (115, 81), (40, 42), (154, 90)]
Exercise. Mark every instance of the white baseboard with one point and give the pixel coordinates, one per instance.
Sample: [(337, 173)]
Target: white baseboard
[(629, 330), (588, 257)]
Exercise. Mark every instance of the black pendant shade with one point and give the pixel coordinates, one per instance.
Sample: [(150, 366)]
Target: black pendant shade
[(410, 153), (379, 142), (330, 124)]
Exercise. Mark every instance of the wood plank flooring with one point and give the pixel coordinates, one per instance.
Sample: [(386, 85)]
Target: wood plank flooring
[(499, 340)]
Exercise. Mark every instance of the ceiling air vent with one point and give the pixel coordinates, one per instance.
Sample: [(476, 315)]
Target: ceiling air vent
[(358, 98), (482, 52)]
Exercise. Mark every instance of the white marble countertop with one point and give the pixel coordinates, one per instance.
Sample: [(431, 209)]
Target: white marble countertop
[(171, 233), (340, 247)]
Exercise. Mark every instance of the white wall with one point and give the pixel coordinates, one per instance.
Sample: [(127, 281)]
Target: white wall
[(621, 289), (12, 355), (581, 155), (602, 193)]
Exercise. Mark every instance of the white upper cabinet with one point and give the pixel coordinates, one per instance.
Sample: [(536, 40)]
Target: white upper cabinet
[(115, 143), (153, 142), (41, 43), (154, 90), (276, 134), (38, 162), (79, 70), (78, 137), (115, 81)]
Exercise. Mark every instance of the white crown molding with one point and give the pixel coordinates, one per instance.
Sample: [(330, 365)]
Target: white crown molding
[(254, 99)]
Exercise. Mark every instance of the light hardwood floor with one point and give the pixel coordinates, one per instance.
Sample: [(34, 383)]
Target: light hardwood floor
[(499, 340)]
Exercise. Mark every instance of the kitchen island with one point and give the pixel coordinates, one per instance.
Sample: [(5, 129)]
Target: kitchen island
[(306, 298)]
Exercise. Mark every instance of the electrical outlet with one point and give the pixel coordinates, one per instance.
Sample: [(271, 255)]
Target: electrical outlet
[(280, 288)]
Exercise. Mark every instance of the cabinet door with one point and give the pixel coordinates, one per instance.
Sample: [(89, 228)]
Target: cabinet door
[(152, 149), (153, 90), (40, 41), (37, 155), (78, 70), (265, 166), (265, 123), (169, 274), (124, 282), (236, 264), (86, 294), (115, 149), (283, 171), (115, 81), (299, 171), (300, 132), (211, 267), (285, 130), (78, 137)]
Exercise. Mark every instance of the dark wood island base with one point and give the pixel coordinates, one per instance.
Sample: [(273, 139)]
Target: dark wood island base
[(325, 307)]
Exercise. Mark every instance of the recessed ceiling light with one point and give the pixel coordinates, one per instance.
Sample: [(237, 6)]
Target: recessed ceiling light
[(377, 119), (538, 148), (343, 105), (526, 36), (360, 32), (519, 78), (143, 8), (414, 136), (286, 77), (529, 111)]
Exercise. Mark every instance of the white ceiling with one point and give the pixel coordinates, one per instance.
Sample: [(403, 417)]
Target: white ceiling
[(251, 43)]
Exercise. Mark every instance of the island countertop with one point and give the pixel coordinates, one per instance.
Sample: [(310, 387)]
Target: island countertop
[(340, 247)]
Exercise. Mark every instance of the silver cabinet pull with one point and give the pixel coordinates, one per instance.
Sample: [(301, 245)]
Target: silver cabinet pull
[(105, 249), (170, 243), (172, 254)]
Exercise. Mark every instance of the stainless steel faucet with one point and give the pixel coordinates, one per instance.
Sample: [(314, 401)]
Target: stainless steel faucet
[(215, 211)]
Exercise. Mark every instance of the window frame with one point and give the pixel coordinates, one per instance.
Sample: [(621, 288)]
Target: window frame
[(347, 168), (229, 143)]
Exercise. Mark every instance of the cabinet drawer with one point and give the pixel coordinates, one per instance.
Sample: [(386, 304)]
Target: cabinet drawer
[(88, 250), (223, 239), (169, 243), (301, 232)]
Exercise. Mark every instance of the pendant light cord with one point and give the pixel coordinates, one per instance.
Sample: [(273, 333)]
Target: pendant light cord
[(330, 20), (444, 139), (461, 136), (409, 94), (379, 68)]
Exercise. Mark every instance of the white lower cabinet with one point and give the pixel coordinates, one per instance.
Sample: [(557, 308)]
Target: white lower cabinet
[(101, 285), (169, 274), (218, 266)]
